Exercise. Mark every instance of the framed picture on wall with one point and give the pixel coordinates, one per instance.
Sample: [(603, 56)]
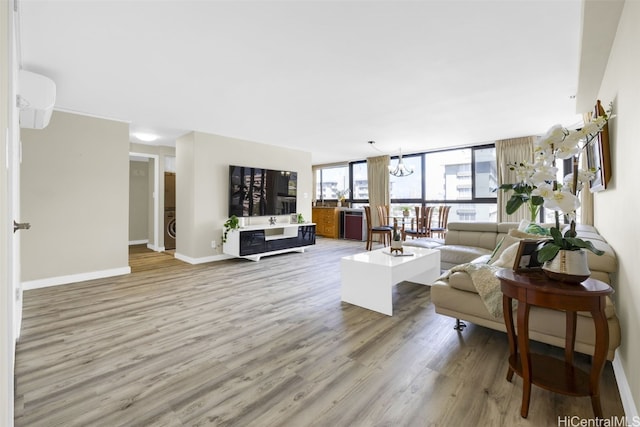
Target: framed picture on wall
[(598, 155)]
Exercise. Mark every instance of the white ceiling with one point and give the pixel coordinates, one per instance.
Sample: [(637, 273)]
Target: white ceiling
[(319, 76)]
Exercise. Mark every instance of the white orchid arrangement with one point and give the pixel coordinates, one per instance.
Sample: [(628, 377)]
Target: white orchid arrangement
[(538, 185)]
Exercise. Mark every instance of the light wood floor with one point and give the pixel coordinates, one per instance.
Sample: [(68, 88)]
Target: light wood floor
[(240, 343)]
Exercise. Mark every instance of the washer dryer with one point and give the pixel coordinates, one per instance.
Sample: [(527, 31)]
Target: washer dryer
[(170, 229)]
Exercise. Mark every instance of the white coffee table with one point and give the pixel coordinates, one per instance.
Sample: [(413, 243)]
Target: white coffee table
[(368, 277)]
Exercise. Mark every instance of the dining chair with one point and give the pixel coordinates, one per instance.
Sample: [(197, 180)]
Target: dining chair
[(443, 220), (422, 223), (383, 216), (384, 231)]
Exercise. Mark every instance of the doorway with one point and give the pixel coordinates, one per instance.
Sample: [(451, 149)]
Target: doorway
[(153, 212)]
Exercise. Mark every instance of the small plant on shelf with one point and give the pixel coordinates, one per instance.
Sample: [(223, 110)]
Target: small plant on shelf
[(231, 224)]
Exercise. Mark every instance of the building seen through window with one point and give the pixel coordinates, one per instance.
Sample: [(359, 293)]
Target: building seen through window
[(464, 179)]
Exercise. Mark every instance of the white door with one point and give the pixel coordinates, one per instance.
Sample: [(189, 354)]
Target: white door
[(11, 298)]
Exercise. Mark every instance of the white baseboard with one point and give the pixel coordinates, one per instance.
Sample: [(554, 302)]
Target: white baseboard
[(74, 278), (202, 260), (138, 242), (630, 410)]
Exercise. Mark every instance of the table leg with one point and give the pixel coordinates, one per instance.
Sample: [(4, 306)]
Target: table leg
[(599, 357), (525, 359), (507, 309), (570, 337)]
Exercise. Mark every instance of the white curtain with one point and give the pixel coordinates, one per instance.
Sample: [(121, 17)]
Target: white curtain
[(378, 183), (508, 151)]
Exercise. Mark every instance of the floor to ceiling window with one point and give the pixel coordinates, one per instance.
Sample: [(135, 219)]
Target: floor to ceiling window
[(464, 179)]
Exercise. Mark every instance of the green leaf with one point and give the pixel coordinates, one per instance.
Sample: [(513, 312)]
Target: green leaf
[(513, 204), (537, 200), (579, 243), (548, 252), (557, 237)]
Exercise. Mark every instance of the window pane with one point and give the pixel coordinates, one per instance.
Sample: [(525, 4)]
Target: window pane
[(360, 184), (318, 195), (485, 170), (448, 175), (470, 212), (407, 187), (334, 180)]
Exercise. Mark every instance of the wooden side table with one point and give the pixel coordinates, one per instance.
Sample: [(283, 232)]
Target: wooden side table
[(560, 376)]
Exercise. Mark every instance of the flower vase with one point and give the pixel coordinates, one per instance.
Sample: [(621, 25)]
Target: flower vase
[(396, 244), (568, 266)]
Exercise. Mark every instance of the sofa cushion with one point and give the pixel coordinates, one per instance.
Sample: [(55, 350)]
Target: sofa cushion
[(462, 281), (424, 242), (476, 234), (460, 254)]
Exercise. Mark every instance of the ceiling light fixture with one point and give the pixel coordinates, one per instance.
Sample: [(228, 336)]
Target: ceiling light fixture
[(146, 137), (400, 169)]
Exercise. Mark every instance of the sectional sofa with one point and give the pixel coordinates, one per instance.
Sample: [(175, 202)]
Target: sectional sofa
[(455, 295)]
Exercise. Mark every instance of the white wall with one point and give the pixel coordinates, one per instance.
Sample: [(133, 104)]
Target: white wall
[(617, 208), (202, 182), (75, 186)]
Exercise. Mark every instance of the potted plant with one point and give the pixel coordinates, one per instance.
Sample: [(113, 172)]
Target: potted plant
[(396, 238), (563, 255), (342, 196), (230, 224), (406, 211)]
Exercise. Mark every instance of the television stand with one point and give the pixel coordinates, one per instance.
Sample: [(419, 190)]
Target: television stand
[(256, 241)]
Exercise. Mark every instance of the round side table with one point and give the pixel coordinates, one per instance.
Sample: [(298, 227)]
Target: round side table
[(560, 376)]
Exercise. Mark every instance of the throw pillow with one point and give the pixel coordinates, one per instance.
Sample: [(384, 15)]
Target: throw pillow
[(533, 228), (506, 241), (508, 256), (524, 235)]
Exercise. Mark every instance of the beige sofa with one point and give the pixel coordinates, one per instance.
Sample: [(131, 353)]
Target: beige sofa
[(456, 296)]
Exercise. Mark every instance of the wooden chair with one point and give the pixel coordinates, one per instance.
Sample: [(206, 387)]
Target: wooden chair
[(443, 220), (384, 231), (423, 223), (385, 219), (383, 216)]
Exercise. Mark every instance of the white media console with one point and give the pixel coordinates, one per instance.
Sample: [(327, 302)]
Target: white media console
[(255, 241)]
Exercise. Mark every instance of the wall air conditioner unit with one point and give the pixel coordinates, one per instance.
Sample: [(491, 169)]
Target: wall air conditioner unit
[(37, 96)]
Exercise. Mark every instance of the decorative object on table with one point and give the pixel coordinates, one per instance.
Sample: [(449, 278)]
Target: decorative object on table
[(396, 240), (405, 211), (539, 181), (272, 220), (342, 197), (230, 224), (293, 218), (568, 266), (300, 219), (527, 256)]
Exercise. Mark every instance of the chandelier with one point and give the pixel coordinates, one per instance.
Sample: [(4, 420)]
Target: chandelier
[(400, 169)]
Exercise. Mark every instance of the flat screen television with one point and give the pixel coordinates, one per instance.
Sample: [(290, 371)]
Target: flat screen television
[(261, 192)]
